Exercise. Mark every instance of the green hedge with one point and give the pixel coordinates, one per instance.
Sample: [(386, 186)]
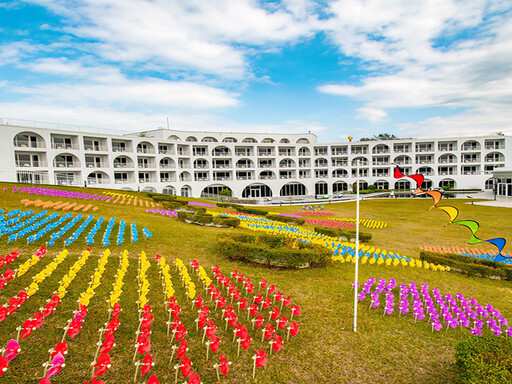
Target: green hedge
[(485, 360), (342, 232), (470, 266), (241, 208), (206, 218), (286, 219), (272, 251)]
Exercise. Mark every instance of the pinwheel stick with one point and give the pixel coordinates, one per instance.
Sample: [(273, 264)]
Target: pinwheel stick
[(254, 367), (136, 371), (169, 321), (238, 350), (172, 354), (217, 371), (207, 349), (135, 352), (176, 367), (19, 331), (288, 335), (204, 333)]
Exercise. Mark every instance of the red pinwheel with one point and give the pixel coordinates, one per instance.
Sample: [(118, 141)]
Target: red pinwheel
[(82, 309), (232, 320), (240, 278), (282, 322), (28, 327), (246, 342), (215, 293), (294, 328), (221, 302), (22, 297), (269, 331), (236, 295), (3, 313), (103, 364), (224, 365), (241, 331), (158, 257), (60, 348), (271, 289), (275, 313), (261, 358), (153, 380), (147, 362), (181, 331), (12, 349), (116, 310), (259, 321), (185, 366), (211, 329), (214, 343), (234, 273), (45, 380), (198, 301), (56, 365), (258, 298), (263, 283), (253, 309), (143, 343), (8, 274), (2, 283), (194, 378), (176, 310), (277, 343), (4, 364), (278, 296), (249, 288), (75, 326), (13, 305), (108, 343), (267, 303), (182, 349), (295, 310), (243, 304)]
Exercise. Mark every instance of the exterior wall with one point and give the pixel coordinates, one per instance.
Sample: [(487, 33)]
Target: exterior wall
[(60, 157)]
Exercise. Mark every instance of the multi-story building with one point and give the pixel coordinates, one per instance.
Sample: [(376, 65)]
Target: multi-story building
[(250, 165)]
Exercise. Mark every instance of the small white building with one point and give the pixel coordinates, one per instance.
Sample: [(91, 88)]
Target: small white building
[(193, 163)]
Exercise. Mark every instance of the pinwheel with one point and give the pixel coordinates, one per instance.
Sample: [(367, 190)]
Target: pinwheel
[(201, 204), (260, 360), (56, 365), (12, 349), (146, 233), (9, 258), (224, 366)]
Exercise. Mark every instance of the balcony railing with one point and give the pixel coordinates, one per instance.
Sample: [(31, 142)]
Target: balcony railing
[(29, 144), (31, 164), (66, 164), (145, 150), (64, 146), (95, 165), (96, 148)]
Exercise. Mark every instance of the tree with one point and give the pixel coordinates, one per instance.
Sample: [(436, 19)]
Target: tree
[(225, 192), (380, 136)]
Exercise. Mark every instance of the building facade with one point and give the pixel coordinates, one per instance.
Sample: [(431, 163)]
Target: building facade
[(198, 164)]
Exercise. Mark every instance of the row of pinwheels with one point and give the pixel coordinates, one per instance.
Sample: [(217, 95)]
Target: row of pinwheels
[(11, 221), (313, 208), (471, 252), (202, 204), (440, 309), (370, 255), (121, 198), (66, 206), (58, 193), (315, 213), (163, 212), (330, 223)]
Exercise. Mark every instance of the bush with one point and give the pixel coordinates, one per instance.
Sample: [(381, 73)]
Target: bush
[(286, 219), (253, 211), (229, 222), (272, 251), (340, 232), (470, 266), (485, 360)]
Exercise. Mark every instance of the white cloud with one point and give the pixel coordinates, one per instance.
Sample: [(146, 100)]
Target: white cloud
[(428, 54), (209, 37), (375, 115)]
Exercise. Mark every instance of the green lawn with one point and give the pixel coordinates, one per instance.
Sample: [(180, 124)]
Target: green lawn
[(386, 349)]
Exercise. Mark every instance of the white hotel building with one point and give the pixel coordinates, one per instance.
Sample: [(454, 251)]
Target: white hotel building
[(197, 164)]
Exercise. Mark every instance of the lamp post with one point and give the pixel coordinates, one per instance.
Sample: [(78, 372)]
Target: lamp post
[(357, 248)]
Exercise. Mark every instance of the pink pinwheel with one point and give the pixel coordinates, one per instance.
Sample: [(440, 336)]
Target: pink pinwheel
[(45, 380), (56, 365), (12, 349)]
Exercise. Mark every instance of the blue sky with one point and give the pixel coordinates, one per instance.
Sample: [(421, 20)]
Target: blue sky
[(335, 68)]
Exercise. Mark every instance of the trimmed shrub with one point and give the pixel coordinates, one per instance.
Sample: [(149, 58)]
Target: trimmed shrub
[(485, 360), (286, 219), (470, 266), (272, 251), (230, 222), (340, 232)]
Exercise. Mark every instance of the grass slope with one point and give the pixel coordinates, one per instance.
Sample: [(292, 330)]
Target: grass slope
[(385, 350)]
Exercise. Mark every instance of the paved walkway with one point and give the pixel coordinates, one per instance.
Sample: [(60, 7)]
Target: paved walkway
[(504, 202)]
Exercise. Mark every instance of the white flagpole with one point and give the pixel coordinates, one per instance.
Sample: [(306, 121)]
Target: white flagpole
[(357, 249)]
